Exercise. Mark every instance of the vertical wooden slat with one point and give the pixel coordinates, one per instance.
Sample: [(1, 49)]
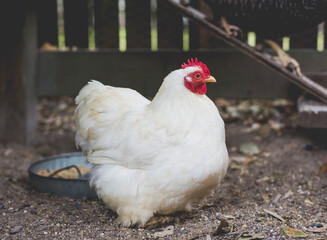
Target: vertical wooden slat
[(47, 22), (138, 25), (194, 29), (199, 37), (325, 35), (306, 39), (17, 70), (170, 27), (106, 23), (76, 23)]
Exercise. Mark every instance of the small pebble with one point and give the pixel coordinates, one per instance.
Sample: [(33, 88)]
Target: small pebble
[(16, 229), (22, 207), (34, 211), (318, 225), (319, 214), (78, 205), (308, 147), (1, 207)]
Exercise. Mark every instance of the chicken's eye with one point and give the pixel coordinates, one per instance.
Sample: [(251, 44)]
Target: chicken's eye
[(197, 76)]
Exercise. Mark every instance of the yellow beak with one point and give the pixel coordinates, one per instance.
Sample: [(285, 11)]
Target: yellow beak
[(210, 79)]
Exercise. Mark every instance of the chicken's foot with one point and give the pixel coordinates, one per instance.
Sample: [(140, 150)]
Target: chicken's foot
[(284, 58), (231, 30)]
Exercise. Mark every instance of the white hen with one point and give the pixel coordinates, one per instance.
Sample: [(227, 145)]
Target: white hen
[(153, 157)]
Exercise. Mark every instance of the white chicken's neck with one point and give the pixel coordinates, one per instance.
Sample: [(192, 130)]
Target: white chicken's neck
[(174, 92), (174, 101)]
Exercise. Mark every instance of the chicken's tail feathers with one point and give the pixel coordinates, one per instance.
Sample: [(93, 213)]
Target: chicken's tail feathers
[(87, 89), (83, 123), (99, 109)]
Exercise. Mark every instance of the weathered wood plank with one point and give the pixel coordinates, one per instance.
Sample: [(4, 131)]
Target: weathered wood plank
[(64, 73), (170, 27), (106, 24), (47, 22), (76, 23), (138, 27), (312, 113), (199, 37), (306, 39), (17, 70), (302, 81)]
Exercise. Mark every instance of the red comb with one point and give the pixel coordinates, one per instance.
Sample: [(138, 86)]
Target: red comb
[(196, 62)]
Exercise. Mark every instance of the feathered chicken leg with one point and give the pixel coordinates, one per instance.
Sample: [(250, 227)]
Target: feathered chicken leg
[(284, 58), (231, 30)]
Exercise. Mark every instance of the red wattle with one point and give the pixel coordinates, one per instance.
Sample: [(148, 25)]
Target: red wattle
[(201, 89)]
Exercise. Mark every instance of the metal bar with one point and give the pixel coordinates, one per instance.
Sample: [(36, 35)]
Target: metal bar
[(302, 81)]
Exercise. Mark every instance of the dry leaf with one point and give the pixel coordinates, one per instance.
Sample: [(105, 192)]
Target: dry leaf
[(8, 152), (233, 166), (264, 179), (166, 232), (248, 160), (266, 197), (277, 198), (323, 169), (264, 131), (295, 233), (223, 223), (289, 193), (308, 202), (249, 148), (274, 215), (49, 47), (252, 236), (267, 154), (238, 158)]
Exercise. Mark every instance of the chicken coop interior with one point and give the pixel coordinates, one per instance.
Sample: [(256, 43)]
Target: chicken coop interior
[(54, 47), (270, 126)]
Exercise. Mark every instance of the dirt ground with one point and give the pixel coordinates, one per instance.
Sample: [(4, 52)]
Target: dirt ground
[(279, 178)]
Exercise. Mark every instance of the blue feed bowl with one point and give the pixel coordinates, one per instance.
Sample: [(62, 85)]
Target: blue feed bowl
[(73, 188)]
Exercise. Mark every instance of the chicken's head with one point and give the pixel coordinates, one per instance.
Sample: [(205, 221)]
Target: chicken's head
[(196, 80)]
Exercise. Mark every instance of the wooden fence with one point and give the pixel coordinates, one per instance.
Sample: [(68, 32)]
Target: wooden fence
[(27, 71), (141, 68)]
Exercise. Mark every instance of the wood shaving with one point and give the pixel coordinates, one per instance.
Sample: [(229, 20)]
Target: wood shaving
[(70, 173)]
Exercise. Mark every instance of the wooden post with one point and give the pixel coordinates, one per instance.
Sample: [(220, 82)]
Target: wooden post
[(17, 70)]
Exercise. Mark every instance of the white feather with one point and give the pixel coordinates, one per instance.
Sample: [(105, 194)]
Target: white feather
[(149, 157)]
